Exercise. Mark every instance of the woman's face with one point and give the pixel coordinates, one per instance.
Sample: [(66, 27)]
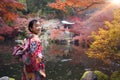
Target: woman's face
[(36, 27)]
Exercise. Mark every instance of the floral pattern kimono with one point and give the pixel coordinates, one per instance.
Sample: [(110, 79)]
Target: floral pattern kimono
[(33, 61)]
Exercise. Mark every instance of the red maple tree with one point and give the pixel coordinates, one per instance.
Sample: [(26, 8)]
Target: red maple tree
[(8, 9)]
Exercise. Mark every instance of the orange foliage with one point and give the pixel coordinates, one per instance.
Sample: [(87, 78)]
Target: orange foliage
[(58, 5), (8, 9), (81, 4)]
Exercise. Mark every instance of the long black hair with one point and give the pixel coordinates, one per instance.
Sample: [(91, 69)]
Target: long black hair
[(31, 23)]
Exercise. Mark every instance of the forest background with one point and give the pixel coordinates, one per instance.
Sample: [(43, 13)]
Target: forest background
[(95, 20)]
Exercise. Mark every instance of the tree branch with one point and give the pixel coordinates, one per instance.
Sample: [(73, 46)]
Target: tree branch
[(102, 2)]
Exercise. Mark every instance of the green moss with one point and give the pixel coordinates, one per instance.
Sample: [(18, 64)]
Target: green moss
[(100, 75), (97, 74), (84, 75), (11, 79), (115, 75)]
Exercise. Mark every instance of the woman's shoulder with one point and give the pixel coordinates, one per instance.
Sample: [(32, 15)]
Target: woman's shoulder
[(35, 39), (31, 37)]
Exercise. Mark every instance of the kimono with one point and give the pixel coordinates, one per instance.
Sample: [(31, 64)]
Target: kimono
[(34, 67)]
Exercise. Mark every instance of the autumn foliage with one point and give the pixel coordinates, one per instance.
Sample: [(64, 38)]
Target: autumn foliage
[(8, 9), (107, 41), (76, 5)]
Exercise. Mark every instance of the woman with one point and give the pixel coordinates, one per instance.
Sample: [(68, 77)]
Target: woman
[(34, 68)]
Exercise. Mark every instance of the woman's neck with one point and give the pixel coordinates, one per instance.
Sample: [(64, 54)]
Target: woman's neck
[(35, 35)]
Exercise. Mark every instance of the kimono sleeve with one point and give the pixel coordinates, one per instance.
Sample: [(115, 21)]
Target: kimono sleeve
[(26, 45)]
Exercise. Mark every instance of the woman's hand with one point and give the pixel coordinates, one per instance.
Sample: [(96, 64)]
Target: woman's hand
[(42, 72)]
